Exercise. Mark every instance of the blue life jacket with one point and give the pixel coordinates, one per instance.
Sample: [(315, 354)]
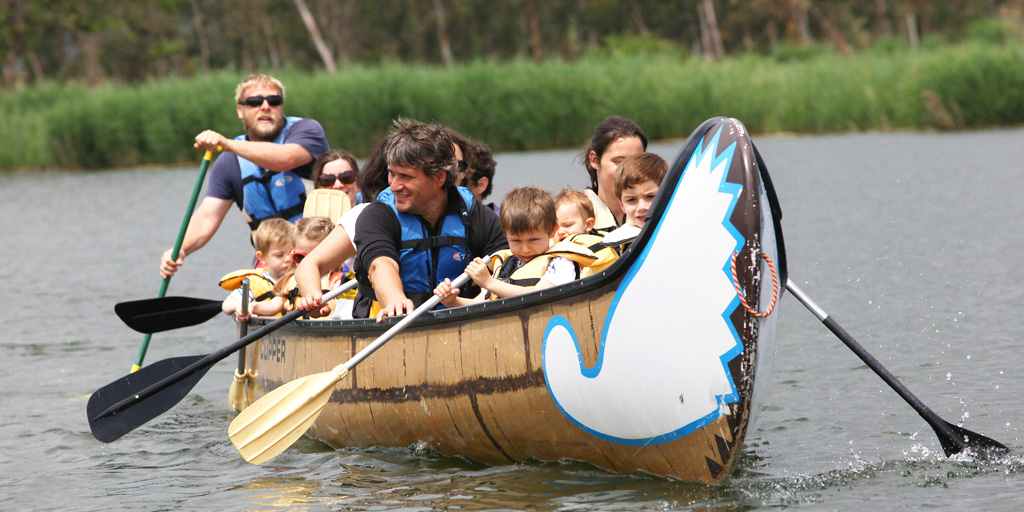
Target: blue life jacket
[(267, 194), (425, 261)]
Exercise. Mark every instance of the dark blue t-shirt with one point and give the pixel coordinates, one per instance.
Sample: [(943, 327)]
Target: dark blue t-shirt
[(226, 176)]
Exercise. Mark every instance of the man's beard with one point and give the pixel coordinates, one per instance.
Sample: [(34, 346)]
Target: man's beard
[(263, 133)]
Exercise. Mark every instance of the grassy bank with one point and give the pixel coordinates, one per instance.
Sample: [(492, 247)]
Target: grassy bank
[(525, 105)]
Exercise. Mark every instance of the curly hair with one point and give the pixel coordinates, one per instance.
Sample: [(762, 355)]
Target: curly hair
[(427, 147)]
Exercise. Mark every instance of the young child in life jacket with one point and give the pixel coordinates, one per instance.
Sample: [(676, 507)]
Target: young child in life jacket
[(309, 232), (576, 216), (574, 213), (274, 240), (636, 184), (532, 261)]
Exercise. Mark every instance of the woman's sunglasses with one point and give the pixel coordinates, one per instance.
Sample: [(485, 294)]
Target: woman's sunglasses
[(327, 180), (298, 256), (274, 100)]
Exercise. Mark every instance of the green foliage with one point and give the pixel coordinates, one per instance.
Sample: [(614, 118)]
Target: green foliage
[(627, 46), (889, 45), (977, 85), (994, 31), (789, 52), (522, 104)]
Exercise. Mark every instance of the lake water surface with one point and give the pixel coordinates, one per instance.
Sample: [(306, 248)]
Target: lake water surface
[(911, 241)]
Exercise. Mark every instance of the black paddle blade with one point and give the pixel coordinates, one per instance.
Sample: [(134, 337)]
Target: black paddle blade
[(165, 313), (136, 409), (981, 447)]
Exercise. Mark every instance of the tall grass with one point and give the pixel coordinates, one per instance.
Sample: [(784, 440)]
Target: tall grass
[(526, 105)]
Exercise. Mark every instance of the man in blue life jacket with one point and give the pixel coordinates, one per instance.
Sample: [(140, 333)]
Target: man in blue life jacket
[(420, 230), (264, 173)]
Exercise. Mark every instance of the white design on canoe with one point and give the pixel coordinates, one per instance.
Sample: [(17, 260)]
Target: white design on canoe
[(662, 369)]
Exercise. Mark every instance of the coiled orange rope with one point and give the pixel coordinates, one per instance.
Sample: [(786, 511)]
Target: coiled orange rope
[(739, 292)]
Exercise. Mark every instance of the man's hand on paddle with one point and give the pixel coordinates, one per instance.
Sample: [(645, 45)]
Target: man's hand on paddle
[(168, 266), (210, 140), (402, 307)]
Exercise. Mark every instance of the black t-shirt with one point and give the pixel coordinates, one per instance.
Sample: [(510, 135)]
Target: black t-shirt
[(226, 175), (379, 234)]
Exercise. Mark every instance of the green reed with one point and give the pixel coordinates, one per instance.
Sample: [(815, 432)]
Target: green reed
[(523, 105)]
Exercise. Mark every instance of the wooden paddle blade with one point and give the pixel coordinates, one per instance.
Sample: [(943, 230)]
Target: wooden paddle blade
[(980, 446), (269, 426), (111, 427), (166, 313), (326, 202)]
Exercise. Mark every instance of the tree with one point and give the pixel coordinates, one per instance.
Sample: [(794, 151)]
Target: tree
[(314, 33)]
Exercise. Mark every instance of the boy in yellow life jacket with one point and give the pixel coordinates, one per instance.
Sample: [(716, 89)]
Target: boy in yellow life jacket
[(274, 240), (636, 184), (532, 261)]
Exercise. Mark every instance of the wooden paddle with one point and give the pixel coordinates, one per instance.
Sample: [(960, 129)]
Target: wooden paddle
[(237, 396), (953, 439), (166, 313), (128, 402), (177, 248), (269, 426)]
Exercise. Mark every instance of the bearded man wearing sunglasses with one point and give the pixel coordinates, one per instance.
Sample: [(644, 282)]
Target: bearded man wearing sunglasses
[(263, 175)]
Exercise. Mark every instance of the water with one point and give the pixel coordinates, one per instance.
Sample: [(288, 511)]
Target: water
[(910, 241)]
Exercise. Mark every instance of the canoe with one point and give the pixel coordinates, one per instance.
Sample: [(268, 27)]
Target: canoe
[(653, 365)]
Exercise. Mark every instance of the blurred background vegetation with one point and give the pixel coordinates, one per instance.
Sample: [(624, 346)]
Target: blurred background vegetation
[(100, 83)]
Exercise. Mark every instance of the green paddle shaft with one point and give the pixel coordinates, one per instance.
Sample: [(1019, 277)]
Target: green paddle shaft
[(203, 167)]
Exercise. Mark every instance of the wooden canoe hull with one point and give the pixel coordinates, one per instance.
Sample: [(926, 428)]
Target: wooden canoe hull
[(602, 370)]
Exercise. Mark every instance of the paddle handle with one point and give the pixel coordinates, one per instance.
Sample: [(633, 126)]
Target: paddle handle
[(243, 326), (937, 423), (196, 188), (342, 369)]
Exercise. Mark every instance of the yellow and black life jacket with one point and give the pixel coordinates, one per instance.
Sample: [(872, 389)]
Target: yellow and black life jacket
[(293, 293), (528, 275), (606, 255), (621, 238), (340, 277), (260, 287)]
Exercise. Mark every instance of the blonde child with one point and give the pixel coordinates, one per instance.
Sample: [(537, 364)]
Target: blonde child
[(274, 240), (531, 262), (574, 212), (309, 232), (636, 184), (576, 216)]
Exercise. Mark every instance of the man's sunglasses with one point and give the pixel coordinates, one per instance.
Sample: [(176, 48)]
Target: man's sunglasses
[(298, 256), (327, 180), (274, 100), (461, 166)]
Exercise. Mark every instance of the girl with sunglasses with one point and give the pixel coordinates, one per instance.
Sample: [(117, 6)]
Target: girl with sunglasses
[(337, 169)]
